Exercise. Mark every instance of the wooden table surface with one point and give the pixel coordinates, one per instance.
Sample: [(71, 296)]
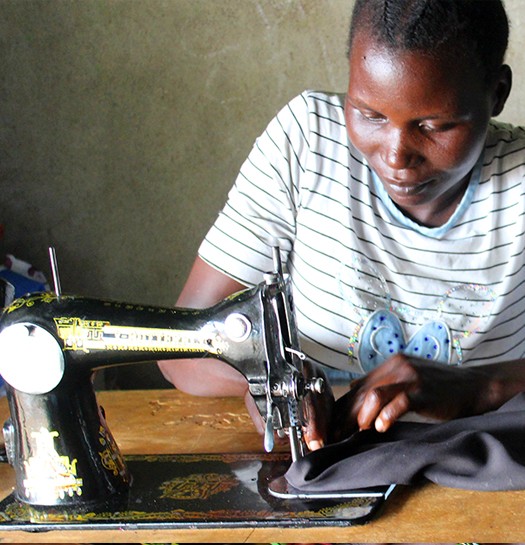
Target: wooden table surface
[(167, 421)]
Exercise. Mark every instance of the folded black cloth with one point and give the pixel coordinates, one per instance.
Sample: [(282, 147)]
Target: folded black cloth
[(485, 452)]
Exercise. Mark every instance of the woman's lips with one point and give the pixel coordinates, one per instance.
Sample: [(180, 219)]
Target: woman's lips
[(406, 188)]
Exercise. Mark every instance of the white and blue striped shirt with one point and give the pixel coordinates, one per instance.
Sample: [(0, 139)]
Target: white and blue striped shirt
[(454, 293)]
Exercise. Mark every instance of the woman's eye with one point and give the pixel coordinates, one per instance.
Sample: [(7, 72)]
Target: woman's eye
[(374, 117), (429, 127)]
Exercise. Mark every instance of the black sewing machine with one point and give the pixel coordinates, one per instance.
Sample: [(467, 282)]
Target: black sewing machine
[(68, 467), (57, 438)]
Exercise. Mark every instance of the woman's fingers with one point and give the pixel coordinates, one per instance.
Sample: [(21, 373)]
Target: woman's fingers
[(382, 406)]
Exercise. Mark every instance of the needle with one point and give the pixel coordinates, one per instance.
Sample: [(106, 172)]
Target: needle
[(54, 271)]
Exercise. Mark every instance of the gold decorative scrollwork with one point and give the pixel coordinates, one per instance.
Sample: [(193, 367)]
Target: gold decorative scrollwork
[(43, 297), (198, 486)]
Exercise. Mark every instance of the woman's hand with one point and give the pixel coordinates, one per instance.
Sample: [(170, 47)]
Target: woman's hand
[(317, 409), (404, 384)]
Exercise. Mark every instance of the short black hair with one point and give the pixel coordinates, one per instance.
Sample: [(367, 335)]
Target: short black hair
[(478, 29)]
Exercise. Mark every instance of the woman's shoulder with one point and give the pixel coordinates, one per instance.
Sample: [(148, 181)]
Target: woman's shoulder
[(323, 104), (501, 133), (504, 156)]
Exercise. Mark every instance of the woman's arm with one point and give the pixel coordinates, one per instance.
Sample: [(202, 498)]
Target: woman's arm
[(405, 384), (210, 377), (204, 287)]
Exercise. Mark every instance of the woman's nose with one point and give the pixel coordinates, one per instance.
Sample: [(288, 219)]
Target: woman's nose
[(399, 151)]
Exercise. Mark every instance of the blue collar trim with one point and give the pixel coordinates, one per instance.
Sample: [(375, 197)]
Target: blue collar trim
[(432, 232)]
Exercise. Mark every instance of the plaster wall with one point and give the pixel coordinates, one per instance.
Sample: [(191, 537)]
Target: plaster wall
[(124, 122)]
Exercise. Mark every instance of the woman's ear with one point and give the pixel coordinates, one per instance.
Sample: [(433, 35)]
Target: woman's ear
[(502, 87)]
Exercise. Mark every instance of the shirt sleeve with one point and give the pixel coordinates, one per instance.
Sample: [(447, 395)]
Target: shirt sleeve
[(261, 208)]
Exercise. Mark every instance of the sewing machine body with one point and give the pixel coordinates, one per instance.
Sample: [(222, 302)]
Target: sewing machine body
[(57, 438)]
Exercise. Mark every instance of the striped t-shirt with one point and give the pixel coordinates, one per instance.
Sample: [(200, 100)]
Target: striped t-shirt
[(367, 281)]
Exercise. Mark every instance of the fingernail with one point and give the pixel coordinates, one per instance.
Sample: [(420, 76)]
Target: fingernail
[(380, 425), (315, 445)]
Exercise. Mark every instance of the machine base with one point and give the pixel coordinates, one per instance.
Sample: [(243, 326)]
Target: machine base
[(203, 490)]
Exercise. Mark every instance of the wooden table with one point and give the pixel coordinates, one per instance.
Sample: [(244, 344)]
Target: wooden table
[(167, 422)]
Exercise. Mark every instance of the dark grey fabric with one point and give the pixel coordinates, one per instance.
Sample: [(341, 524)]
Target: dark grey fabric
[(485, 452)]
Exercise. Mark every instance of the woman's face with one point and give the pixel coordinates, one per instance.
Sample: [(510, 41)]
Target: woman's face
[(420, 122)]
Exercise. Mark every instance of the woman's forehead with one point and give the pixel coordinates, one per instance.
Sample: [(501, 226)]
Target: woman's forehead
[(427, 82), (366, 44), (386, 65)]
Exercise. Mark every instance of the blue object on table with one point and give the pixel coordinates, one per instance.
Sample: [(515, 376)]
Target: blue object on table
[(21, 283)]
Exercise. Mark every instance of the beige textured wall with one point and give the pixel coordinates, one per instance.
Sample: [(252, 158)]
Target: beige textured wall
[(124, 122)]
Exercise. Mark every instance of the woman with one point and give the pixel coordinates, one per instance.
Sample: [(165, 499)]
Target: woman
[(400, 215)]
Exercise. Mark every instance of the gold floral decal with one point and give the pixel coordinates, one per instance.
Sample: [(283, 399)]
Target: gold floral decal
[(198, 486), (43, 297), (110, 455), (47, 473)]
